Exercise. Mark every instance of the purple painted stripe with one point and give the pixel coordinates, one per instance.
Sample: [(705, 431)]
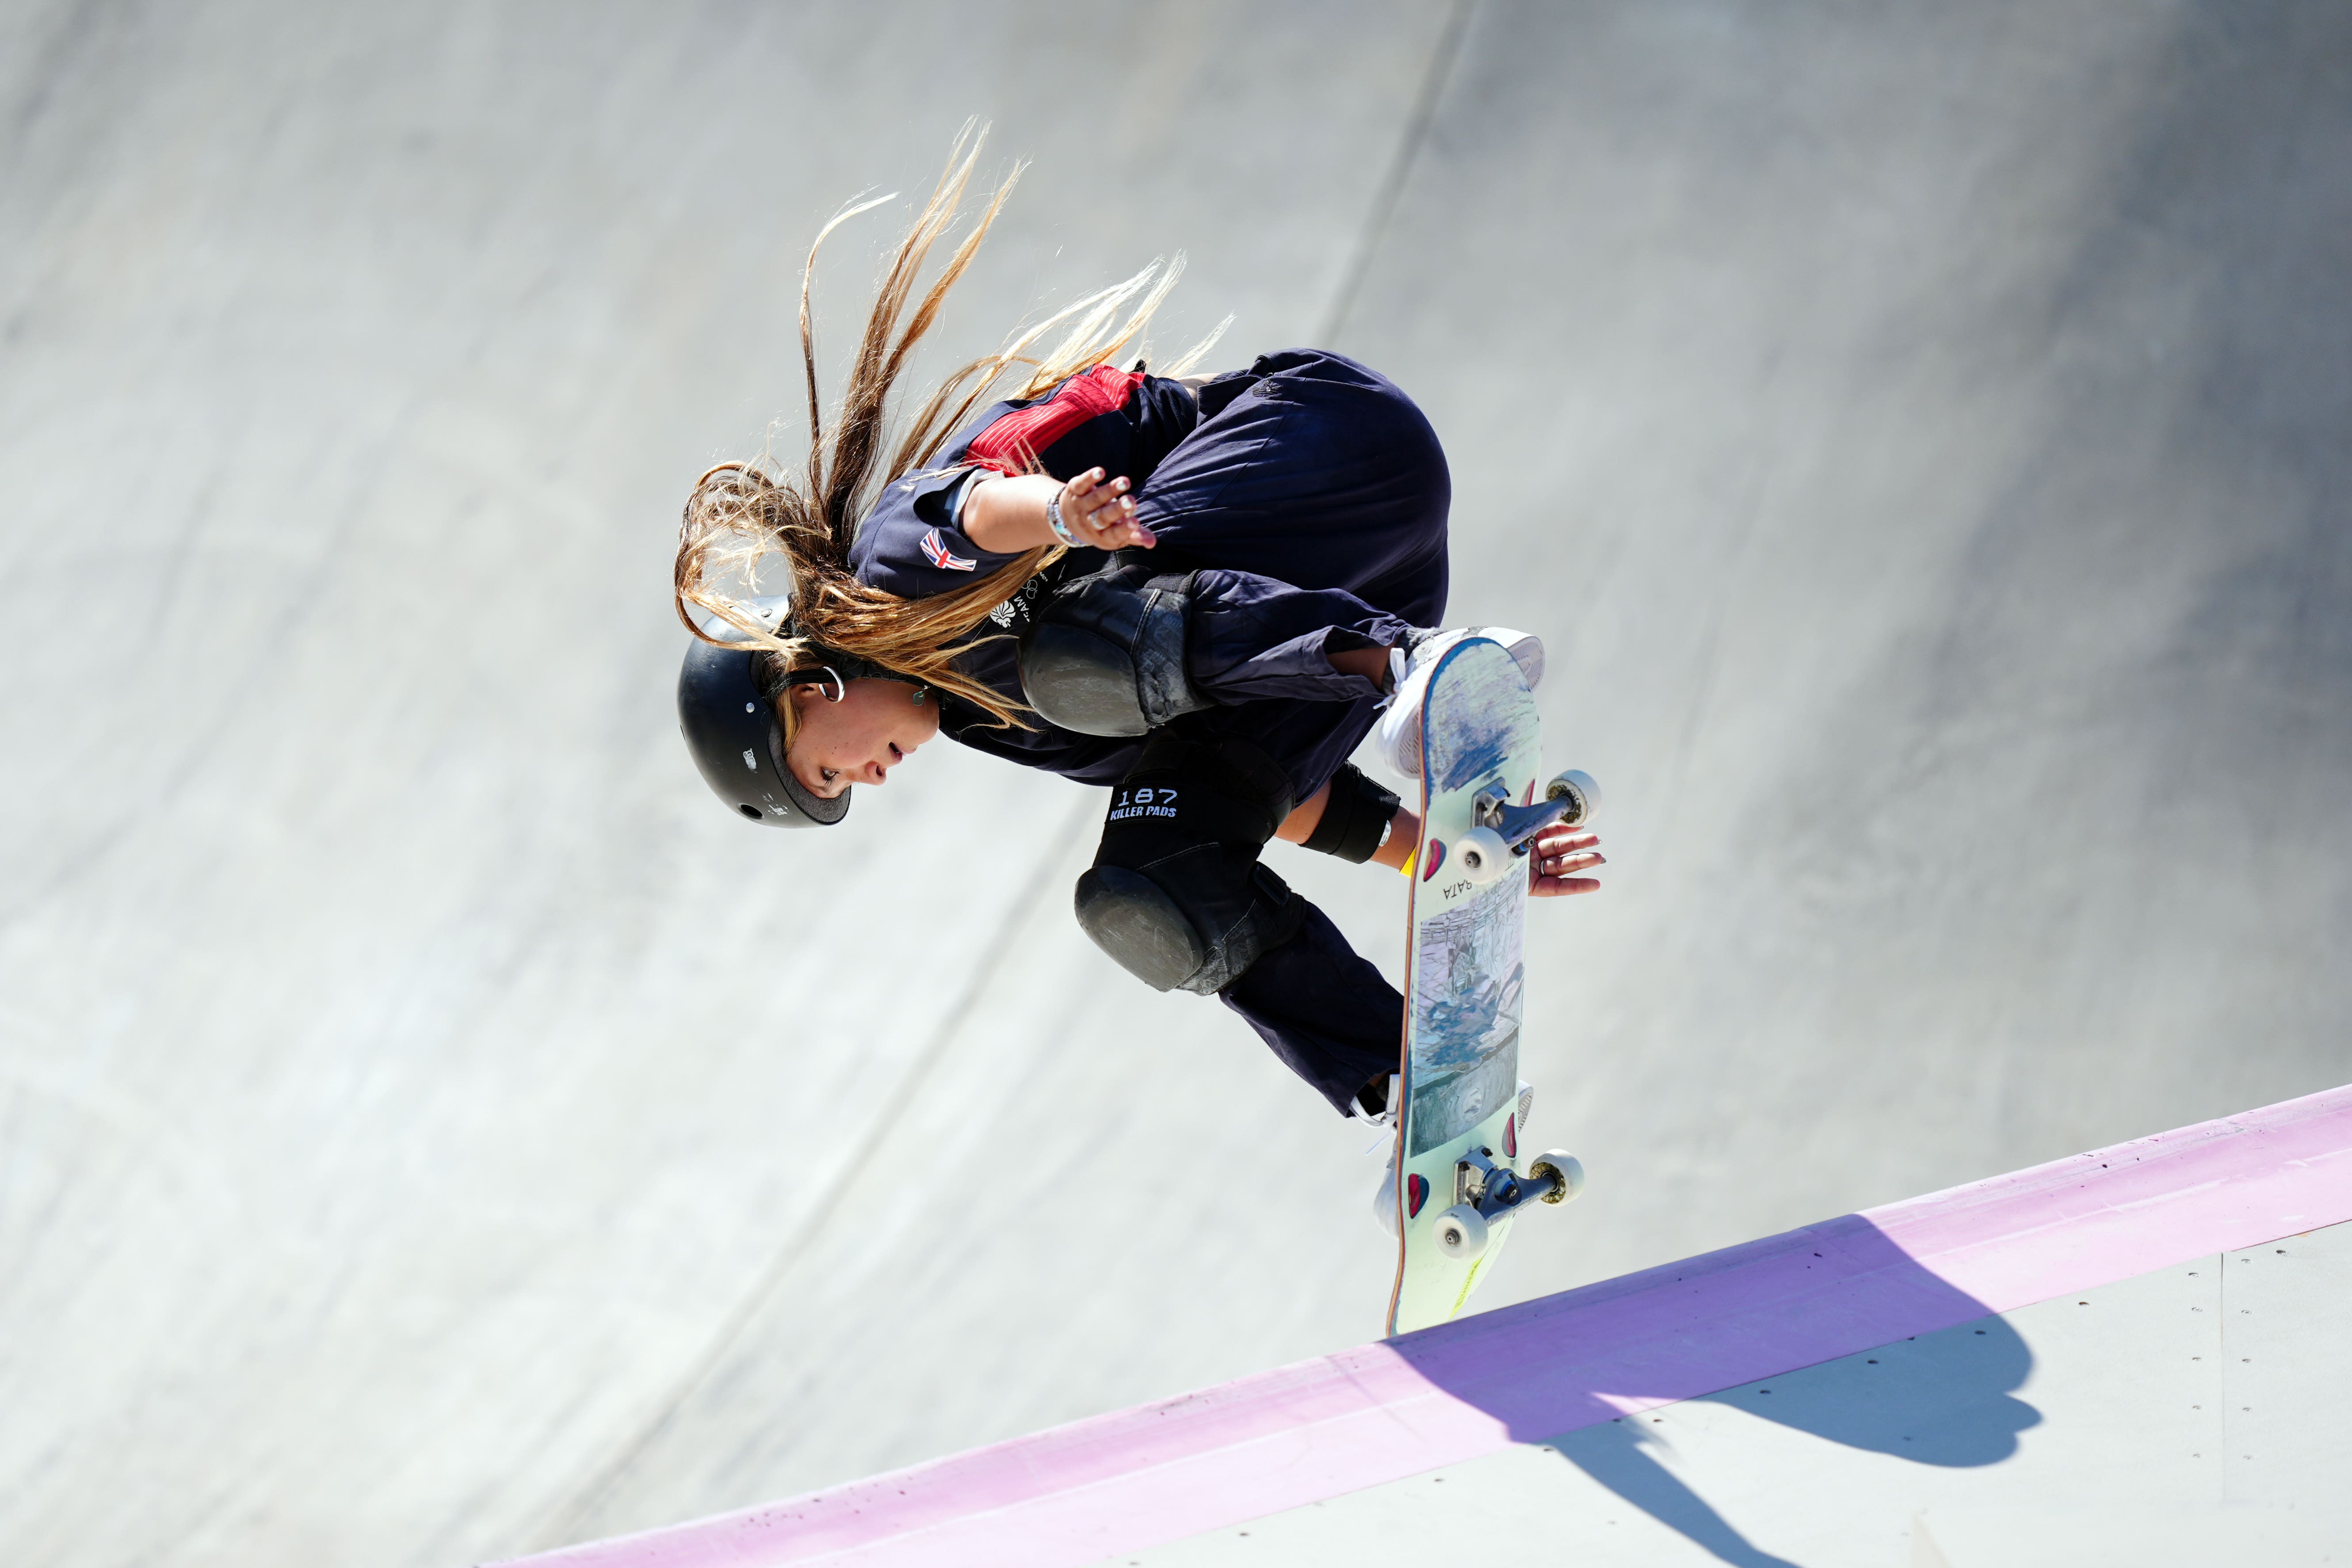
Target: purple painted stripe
[(1160, 1472)]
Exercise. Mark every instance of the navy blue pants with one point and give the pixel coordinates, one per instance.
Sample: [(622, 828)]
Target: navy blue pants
[(1311, 502)]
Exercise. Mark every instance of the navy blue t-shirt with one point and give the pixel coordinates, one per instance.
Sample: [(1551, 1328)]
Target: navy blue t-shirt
[(911, 543), (1123, 422)]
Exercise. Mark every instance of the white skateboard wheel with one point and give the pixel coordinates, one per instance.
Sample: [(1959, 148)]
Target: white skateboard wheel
[(1559, 1162), (1481, 855), (1576, 786), (1461, 1233)]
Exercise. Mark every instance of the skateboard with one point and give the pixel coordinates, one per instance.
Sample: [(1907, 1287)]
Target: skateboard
[(1462, 1181)]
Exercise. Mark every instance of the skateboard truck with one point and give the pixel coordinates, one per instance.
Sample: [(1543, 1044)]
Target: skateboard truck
[(1485, 1189), (1505, 832)]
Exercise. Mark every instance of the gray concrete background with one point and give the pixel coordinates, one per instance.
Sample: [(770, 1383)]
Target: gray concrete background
[(429, 1127)]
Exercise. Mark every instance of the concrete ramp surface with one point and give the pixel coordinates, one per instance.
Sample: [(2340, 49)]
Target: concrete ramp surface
[(431, 1131), (2214, 1255)]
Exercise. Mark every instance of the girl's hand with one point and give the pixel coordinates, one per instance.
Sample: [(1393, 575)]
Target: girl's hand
[(1101, 514), (1561, 853)]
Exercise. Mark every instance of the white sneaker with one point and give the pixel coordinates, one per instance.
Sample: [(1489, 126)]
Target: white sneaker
[(1384, 1197), (1409, 668)]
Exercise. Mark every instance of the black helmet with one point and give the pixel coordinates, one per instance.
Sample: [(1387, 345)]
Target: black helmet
[(725, 711)]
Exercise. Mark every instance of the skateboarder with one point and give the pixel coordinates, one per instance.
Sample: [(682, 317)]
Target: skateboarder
[(1205, 592)]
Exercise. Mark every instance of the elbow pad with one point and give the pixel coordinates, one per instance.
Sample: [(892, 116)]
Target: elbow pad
[(1356, 814)]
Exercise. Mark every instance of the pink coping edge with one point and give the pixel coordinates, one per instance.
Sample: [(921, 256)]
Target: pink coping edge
[(1137, 1477)]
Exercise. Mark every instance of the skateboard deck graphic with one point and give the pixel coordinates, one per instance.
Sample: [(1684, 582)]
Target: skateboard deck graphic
[(1481, 757)]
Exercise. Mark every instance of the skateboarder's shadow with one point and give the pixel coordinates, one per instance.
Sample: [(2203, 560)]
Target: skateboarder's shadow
[(1941, 1398), (1891, 1359)]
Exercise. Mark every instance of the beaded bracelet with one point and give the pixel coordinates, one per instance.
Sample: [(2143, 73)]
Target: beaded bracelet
[(1053, 520)]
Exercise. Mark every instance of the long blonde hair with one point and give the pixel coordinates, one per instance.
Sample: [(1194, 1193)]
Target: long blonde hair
[(740, 516)]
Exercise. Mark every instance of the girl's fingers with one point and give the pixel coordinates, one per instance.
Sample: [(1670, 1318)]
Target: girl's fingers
[(1561, 876), (1561, 852), (1102, 512), (1573, 862), (1112, 516), (1090, 483)]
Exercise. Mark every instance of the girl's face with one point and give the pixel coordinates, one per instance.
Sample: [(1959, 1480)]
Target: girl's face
[(858, 740)]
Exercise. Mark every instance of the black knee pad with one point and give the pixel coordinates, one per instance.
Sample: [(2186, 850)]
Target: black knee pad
[(1106, 653), (1176, 894), (1192, 925)]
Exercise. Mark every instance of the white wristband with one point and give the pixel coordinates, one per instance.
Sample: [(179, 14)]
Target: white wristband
[(1053, 520)]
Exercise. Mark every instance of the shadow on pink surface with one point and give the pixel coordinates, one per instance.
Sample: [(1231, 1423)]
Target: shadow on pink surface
[(1915, 1369)]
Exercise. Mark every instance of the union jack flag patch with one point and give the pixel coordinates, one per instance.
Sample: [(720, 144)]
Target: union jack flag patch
[(936, 549)]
